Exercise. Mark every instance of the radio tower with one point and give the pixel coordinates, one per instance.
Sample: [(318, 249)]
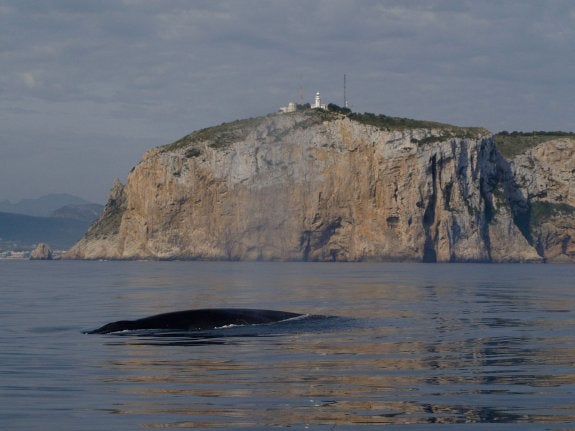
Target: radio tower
[(344, 91)]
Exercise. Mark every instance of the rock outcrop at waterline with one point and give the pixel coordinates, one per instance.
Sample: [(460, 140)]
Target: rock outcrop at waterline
[(320, 186), (42, 251)]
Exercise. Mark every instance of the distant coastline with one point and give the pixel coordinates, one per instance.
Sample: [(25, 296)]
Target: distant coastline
[(59, 220)]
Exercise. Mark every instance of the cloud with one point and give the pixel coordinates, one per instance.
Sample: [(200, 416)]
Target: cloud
[(150, 71), (29, 80)]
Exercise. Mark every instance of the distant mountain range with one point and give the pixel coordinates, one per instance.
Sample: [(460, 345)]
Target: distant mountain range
[(84, 212), (57, 219), (22, 232), (43, 206)]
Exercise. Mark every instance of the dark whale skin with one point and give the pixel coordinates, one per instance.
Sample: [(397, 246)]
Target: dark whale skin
[(197, 320)]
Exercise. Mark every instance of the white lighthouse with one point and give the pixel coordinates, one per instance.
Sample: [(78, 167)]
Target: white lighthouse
[(317, 104), (292, 107)]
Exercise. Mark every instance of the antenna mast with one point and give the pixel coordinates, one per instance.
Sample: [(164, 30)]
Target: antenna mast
[(344, 91)]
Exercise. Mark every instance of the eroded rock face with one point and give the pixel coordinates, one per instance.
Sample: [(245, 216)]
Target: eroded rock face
[(42, 251), (302, 187), (546, 175)]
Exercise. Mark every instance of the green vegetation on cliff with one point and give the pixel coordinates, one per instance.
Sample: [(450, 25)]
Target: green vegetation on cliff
[(515, 143), (220, 136), (109, 223), (397, 123), (541, 211), (223, 135)]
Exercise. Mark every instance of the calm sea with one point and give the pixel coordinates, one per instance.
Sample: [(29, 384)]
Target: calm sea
[(412, 346)]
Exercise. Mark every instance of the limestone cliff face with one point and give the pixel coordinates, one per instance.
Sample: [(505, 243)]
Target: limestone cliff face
[(319, 186), (545, 176)]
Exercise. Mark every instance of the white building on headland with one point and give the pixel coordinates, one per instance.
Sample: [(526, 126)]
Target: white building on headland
[(292, 107), (317, 104)]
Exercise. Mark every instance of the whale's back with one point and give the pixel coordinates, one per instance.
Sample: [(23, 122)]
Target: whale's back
[(201, 319)]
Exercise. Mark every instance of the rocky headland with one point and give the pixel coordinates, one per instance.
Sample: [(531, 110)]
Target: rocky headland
[(323, 186)]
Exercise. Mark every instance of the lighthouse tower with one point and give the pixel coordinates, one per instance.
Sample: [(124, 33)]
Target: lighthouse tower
[(292, 107), (317, 103)]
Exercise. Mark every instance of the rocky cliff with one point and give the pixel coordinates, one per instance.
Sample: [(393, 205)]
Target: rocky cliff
[(315, 185), (545, 178)]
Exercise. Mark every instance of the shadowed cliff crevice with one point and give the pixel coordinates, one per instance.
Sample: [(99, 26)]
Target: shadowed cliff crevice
[(518, 203), (313, 241), (429, 253), (488, 183)]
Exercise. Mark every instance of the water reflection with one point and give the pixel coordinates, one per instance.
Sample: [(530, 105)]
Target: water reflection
[(419, 354)]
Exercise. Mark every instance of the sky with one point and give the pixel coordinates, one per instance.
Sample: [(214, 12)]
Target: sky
[(86, 87)]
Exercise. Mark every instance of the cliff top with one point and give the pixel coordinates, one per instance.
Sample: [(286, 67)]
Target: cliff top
[(515, 143), (510, 144), (224, 134)]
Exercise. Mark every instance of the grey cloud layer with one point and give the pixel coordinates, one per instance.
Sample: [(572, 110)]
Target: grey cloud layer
[(116, 77)]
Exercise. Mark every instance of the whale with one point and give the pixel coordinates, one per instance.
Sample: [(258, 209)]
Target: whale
[(198, 320)]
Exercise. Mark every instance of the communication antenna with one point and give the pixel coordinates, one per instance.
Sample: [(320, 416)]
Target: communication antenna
[(344, 91)]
